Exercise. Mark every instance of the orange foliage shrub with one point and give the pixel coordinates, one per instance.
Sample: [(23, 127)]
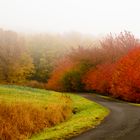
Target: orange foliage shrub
[(99, 78), (19, 121), (126, 78), (54, 82)]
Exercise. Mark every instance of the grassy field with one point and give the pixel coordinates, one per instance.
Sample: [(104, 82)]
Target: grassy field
[(86, 114)]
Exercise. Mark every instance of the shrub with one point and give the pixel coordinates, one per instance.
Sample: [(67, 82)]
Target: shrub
[(99, 78), (62, 67), (126, 78), (71, 81)]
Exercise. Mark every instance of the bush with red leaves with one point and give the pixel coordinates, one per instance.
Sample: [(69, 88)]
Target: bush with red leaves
[(125, 82), (99, 78)]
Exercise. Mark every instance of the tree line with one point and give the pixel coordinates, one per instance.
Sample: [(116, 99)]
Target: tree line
[(32, 57), (110, 69), (72, 62)]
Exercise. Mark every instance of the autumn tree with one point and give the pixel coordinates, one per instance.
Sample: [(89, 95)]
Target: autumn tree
[(126, 78), (99, 78), (55, 82), (15, 61), (72, 79), (116, 46), (45, 50)]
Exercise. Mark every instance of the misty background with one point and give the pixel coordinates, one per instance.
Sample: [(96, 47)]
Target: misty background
[(96, 17)]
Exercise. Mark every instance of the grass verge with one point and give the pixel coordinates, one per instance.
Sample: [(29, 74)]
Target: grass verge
[(86, 114), (24, 112)]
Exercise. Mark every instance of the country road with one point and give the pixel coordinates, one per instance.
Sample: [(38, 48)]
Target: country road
[(123, 123)]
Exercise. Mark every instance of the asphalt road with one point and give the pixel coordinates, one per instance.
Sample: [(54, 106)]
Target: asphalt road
[(123, 123)]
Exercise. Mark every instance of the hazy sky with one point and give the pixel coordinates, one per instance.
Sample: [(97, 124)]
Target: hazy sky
[(85, 16)]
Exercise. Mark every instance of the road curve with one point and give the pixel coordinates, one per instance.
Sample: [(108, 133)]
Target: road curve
[(123, 123)]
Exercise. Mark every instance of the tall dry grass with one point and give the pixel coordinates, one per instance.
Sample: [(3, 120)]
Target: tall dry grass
[(20, 120)]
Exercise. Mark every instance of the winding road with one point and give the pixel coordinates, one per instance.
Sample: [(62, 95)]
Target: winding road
[(123, 123)]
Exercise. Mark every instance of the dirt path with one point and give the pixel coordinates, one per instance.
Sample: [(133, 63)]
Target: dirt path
[(123, 123)]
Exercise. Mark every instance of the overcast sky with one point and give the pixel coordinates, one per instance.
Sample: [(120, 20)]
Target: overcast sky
[(85, 16)]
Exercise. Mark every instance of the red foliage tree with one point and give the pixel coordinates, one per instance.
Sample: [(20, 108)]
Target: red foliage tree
[(99, 78), (125, 82)]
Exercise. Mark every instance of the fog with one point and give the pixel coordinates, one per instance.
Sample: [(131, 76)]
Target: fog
[(95, 17)]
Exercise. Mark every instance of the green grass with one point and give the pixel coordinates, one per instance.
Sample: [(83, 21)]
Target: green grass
[(30, 95), (88, 114)]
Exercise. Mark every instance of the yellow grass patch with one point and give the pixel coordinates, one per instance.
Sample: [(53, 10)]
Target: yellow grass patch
[(21, 120)]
